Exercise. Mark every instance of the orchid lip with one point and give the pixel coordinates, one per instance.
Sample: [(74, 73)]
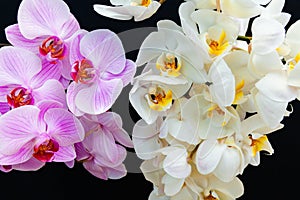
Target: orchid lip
[(19, 96), (45, 151), (53, 47), (83, 71)]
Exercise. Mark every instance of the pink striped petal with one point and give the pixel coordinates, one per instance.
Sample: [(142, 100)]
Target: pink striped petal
[(18, 127), (72, 91), (65, 154), (15, 37), (31, 165), (126, 75), (42, 17), (21, 156), (104, 49), (51, 90), (63, 126), (69, 28), (18, 65), (99, 97)]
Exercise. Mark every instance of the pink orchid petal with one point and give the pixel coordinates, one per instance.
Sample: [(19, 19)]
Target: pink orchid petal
[(65, 154), (99, 97), (51, 90), (72, 91), (18, 65), (15, 37), (116, 172), (65, 82), (4, 107), (46, 105), (21, 156), (81, 153), (113, 122), (104, 48), (126, 75), (75, 54), (42, 17), (63, 126), (18, 127), (95, 170), (69, 28), (31, 165), (106, 151), (70, 164), (48, 71)]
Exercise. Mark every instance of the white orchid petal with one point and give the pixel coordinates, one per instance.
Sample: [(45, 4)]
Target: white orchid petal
[(172, 185), (208, 156)]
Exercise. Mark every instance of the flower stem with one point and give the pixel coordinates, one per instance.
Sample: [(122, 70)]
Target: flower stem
[(244, 38), (4, 44), (162, 1), (218, 3)]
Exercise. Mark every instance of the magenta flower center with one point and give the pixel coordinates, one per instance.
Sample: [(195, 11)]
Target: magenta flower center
[(19, 97), (45, 151), (83, 71), (54, 47)]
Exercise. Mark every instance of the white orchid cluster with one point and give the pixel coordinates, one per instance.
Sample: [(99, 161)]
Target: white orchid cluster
[(209, 95)]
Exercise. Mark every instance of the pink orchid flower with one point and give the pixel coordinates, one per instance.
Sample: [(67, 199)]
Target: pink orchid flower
[(46, 132), (23, 81), (99, 73), (46, 28), (101, 152)]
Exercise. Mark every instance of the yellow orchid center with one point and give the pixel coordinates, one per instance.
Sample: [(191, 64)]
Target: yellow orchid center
[(294, 62), (158, 99), (258, 144), (169, 65), (218, 47), (146, 3), (238, 92)]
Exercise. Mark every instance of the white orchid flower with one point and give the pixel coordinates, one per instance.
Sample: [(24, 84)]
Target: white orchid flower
[(254, 139), (128, 9), (171, 53), (211, 187), (223, 158), (152, 95)]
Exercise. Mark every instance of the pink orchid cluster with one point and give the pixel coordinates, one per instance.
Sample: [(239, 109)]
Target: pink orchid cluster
[(57, 85)]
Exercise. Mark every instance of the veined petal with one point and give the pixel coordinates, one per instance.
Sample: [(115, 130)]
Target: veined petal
[(172, 185), (51, 90), (228, 166), (74, 45), (15, 37), (63, 126), (18, 65), (272, 112), (99, 97), (21, 156), (42, 17), (32, 164), (267, 35), (105, 50), (18, 127), (65, 154), (208, 156), (278, 90), (69, 28), (145, 139), (126, 75), (222, 88), (72, 91)]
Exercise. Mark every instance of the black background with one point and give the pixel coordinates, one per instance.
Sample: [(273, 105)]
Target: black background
[(276, 177)]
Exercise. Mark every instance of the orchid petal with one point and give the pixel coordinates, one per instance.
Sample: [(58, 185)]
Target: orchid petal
[(208, 156), (105, 50), (42, 17), (63, 126), (18, 127), (65, 154), (18, 65), (99, 97)]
